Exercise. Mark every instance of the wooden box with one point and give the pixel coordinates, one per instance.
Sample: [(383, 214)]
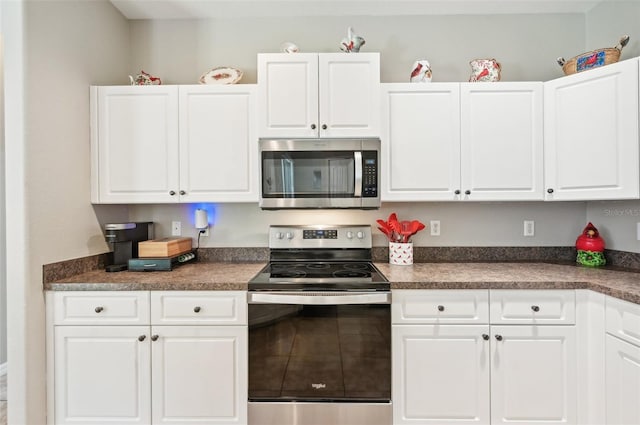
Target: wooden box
[(166, 247)]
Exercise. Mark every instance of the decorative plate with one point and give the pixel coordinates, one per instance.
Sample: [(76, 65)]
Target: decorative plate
[(221, 75)]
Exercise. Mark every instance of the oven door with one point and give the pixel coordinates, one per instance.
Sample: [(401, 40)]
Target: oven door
[(319, 353), (319, 173)]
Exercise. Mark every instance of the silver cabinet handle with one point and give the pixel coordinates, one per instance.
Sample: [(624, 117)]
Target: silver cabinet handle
[(324, 126), (154, 337), (485, 337), (196, 309), (440, 308), (182, 192), (172, 192), (535, 308), (499, 337), (313, 126), (99, 309), (142, 338)]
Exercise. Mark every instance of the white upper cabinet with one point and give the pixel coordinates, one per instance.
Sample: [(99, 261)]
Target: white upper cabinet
[(469, 141), (134, 144), (165, 144), (591, 134), (420, 142), (308, 95), (502, 146), (218, 146)]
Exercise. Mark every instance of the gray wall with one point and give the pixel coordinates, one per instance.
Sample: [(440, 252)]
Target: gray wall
[(67, 46), (179, 51), (617, 221)]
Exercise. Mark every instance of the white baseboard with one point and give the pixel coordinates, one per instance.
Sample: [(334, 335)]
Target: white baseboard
[(3, 369)]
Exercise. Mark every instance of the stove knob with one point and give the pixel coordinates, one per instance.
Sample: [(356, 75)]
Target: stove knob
[(349, 235), (289, 235), (279, 235), (360, 235)]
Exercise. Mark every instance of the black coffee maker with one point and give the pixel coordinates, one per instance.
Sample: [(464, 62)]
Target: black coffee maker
[(123, 241)]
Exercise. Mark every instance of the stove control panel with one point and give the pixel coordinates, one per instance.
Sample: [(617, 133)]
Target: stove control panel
[(335, 236), (319, 234)]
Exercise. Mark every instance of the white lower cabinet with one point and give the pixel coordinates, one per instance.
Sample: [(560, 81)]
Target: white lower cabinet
[(623, 382), (440, 374), (622, 365), (102, 375), (533, 375), (115, 365), (446, 371)]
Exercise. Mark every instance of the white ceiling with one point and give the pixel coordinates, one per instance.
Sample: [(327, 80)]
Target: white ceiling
[(202, 9)]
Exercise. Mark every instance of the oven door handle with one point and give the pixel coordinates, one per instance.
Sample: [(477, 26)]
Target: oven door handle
[(319, 298)]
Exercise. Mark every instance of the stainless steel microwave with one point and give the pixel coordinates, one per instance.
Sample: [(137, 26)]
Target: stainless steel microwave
[(320, 173)]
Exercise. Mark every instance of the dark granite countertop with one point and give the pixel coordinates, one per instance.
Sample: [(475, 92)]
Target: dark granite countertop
[(192, 276), (620, 284), (235, 276)]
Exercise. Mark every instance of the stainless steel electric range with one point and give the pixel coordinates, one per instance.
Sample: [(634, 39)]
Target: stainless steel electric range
[(320, 330)]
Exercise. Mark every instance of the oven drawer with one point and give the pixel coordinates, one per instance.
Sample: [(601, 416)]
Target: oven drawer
[(101, 308), (425, 306), (534, 307), (199, 307)]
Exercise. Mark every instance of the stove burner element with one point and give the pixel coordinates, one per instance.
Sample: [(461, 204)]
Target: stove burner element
[(350, 273), (317, 266)]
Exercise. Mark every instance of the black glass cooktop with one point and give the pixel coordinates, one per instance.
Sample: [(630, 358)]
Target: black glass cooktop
[(319, 276)]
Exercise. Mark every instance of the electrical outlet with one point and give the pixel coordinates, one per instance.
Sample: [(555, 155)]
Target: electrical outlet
[(434, 225), (204, 232), (638, 231), (176, 228), (529, 228)]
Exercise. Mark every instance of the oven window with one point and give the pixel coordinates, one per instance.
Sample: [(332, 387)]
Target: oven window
[(308, 174), (311, 353)]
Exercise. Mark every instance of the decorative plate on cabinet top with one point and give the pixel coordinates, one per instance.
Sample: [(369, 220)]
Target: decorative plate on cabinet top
[(221, 75)]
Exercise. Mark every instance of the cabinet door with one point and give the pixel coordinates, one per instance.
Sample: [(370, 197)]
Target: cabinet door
[(102, 375), (218, 147), (502, 146), (533, 375), (199, 374), (440, 374), (623, 382), (421, 142), (591, 134), (134, 144), (349, 95), (288, 95)]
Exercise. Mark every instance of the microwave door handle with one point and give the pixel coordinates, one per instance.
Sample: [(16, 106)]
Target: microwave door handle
[(357, 158)]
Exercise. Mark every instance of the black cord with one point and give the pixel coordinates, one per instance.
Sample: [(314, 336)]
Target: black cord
[(199, 233)]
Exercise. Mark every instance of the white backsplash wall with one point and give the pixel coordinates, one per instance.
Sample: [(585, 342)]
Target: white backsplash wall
[(617, 223), (462, 224)]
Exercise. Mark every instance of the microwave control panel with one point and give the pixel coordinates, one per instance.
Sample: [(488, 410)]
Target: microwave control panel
[(370, 174)]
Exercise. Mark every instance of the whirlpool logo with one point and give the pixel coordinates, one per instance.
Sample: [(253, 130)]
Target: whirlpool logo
[(318, 386)]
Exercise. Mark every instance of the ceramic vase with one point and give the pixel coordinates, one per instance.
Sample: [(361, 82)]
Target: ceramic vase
[(401, 253)]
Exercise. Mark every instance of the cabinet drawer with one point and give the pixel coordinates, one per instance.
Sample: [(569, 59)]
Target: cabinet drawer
[(623, 319), (440, 306), (199, 307), (535, 307), (101, 308)]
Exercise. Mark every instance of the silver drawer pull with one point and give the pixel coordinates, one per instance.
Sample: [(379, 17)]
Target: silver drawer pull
[(196, 309), (99, 309), (535, 308), (440, 308)]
